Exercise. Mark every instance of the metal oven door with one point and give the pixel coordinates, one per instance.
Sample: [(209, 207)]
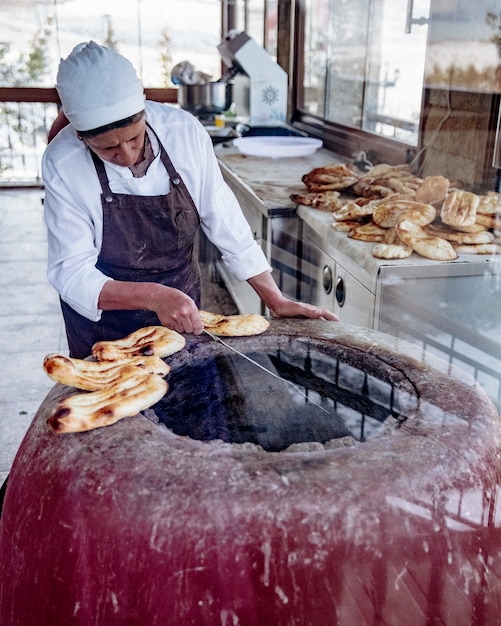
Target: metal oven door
[(328, 284), (300, 268)]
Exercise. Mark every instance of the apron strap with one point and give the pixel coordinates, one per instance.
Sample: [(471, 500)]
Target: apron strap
[(164, 157), (103, 177)]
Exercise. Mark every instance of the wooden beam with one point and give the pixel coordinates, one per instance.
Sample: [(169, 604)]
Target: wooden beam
[(28, 94), (285, 31), (162, 95), (49, 94)]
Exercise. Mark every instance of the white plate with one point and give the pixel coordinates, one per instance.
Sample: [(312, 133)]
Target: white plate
[(277, 147)]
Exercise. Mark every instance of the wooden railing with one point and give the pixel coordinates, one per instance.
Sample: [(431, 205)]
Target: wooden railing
[(26, 116), (49, 94)]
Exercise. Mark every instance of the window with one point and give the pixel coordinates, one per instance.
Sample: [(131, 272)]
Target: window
[(363, 66)]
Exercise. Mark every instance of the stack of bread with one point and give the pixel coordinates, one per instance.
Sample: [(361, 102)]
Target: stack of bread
[(128, 375), (403, 213)]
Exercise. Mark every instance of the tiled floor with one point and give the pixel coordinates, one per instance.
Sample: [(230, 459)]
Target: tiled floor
[(30, 320), (31, 324)]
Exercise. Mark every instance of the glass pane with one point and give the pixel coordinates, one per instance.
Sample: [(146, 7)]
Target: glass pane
[(315, 56), (395, 68), (347, 54), (142, 30), (255, 20), (465, 52), (271, 28), (365, 70)]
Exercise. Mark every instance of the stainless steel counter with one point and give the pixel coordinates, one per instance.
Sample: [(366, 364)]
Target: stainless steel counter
[(270, 181), (264, 184), (449, 308)]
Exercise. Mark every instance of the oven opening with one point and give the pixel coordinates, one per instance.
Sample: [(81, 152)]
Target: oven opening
[(312, 398)]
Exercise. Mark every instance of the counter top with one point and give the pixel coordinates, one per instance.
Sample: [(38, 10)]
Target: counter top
[(271, 180), (270, 183), (360, 253)]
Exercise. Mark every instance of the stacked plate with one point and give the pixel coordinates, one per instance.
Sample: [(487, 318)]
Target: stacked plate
[(277, 147)]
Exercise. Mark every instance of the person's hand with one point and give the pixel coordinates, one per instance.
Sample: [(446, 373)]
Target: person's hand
[(289, 308), (280, 306), (177, 311)]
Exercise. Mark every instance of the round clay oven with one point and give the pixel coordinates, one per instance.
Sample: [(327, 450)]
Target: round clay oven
[(387, 516)]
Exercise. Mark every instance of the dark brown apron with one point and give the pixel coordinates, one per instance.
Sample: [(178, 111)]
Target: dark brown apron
[(145, 239)]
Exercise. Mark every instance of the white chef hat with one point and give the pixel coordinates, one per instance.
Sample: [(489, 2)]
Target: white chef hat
[(98, 86)]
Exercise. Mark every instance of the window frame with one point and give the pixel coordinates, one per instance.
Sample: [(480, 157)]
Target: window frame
[(344, 140)]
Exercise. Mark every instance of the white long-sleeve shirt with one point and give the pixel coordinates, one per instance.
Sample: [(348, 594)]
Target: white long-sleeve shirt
[(73, 212)]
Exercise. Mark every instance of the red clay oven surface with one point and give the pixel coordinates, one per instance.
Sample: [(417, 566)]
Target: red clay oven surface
[(134, 525)]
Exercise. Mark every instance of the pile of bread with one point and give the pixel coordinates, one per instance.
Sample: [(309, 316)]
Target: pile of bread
[(403, 213), (127, 375)]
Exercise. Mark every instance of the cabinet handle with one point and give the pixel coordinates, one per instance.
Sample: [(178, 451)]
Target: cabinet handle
[(327, 279), (340, 291), (412, 20)]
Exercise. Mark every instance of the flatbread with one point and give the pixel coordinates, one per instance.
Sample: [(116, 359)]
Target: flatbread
[(234, 325), (391, 251), (330, 177), (323, 200), (148, 341), (345, 227), (423, 244), (489, 221), (95, 375), (389, 213), (479, 248), (481, 236), (489, 203), (460, 208), (368, 232), (125, 398), (432, 190)]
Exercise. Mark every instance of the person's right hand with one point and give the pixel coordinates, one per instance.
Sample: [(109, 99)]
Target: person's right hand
[(177, 311)]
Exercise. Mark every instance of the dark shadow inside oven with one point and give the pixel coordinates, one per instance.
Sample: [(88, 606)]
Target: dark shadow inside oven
[(306, 398)]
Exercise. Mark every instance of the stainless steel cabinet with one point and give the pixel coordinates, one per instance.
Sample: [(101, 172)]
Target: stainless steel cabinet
[(332, 286)]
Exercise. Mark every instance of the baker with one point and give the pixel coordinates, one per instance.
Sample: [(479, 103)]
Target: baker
[(128, 183)]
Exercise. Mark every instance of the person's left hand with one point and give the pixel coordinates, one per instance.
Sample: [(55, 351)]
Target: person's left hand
[(290, 308), (280, 306)]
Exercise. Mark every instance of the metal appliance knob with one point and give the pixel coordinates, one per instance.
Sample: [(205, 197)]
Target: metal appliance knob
[(340, 291), (327, 279)]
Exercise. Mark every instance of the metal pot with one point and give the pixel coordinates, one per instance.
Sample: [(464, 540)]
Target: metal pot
[(208, 99)]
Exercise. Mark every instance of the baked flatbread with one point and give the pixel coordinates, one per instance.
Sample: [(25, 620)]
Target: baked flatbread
[(353, 211), (481, 236), (234, 325), (479, 248), (368, 232), (460, 208), (391, 251), (490, 221), (345, 227), (125, 398), (389, 213), (425, 245), (433, 189), (95, 375), (148, 341), (384, 180), (330, 177), (489, 203), (323, 200)]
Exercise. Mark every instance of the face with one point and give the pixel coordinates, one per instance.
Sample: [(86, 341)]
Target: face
[(122, 146)]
